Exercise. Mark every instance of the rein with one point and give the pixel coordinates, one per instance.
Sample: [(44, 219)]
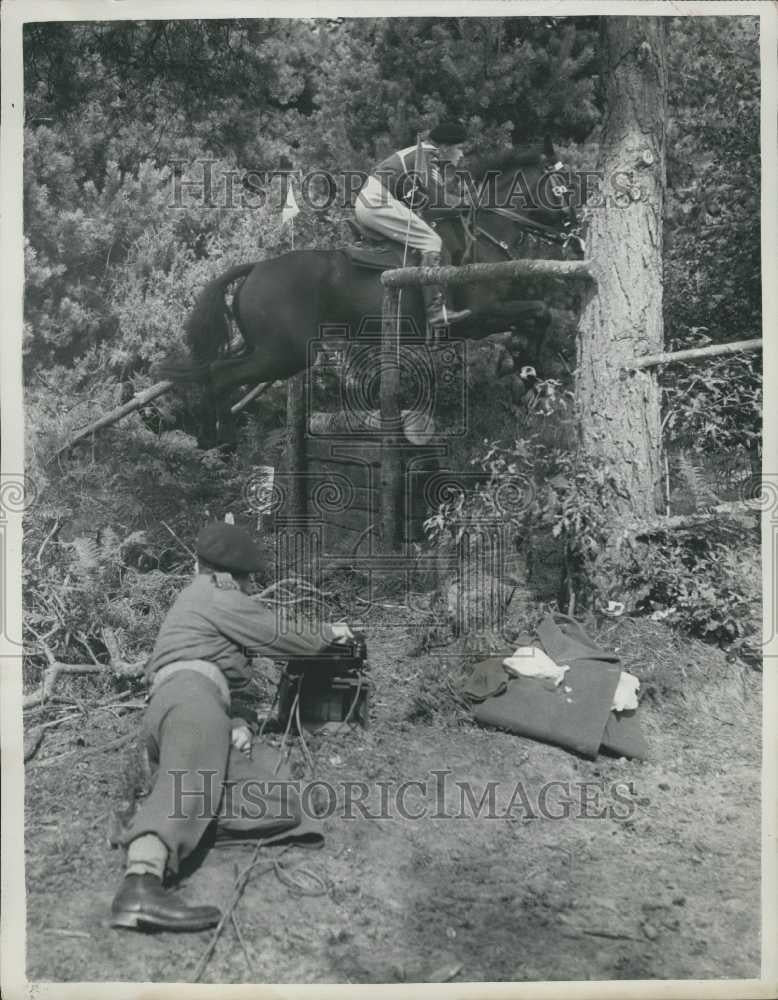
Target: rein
[(473, 231)]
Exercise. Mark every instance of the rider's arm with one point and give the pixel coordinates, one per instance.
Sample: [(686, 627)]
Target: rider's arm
[(254, 627), (442, 194)]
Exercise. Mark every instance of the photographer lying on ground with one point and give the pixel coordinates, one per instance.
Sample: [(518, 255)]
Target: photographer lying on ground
[(199, 658)]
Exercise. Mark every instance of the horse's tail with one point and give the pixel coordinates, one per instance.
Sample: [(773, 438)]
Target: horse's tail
[(207, 328)]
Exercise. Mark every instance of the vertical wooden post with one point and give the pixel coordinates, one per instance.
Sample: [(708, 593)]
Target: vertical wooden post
[(391, 424), (295, 446)]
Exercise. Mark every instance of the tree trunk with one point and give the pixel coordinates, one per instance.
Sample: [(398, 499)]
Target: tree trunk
[(622, 316)]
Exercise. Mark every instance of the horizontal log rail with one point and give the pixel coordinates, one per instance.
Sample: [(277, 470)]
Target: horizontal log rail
[(695, 354), (468, 274)]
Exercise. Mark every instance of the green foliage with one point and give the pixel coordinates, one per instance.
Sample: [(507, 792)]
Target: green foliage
[(716, 406), (712, 252), (108, 543), (706, 581)]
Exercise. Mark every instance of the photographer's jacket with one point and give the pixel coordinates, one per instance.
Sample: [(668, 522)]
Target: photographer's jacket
[(226, 627)]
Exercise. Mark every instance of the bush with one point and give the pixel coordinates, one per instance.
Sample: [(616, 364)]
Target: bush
[(707, 581)]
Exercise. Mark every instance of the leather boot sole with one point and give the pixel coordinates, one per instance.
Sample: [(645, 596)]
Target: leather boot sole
[(130, 920)]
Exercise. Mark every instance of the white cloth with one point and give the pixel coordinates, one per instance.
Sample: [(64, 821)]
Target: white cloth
[(530, 661), (625, 697)]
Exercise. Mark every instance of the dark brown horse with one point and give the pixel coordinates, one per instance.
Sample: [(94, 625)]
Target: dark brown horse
[(285, 303)]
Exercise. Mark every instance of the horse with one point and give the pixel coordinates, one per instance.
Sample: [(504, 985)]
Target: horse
[(285, 303)]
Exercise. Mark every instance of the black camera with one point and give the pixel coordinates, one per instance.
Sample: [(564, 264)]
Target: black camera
[(330, 687)]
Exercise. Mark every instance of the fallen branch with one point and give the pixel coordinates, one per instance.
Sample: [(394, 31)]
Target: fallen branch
[(136, 403), (117, 666), (695, 353), (51, 675), (681, 521)]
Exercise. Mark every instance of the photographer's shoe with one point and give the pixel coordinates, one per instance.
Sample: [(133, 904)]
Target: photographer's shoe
[(142, 904)]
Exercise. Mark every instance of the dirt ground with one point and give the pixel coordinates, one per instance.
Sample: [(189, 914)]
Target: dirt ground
[(670, 892)]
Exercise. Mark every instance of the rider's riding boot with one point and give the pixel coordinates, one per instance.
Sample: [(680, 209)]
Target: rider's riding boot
[(434, 297)]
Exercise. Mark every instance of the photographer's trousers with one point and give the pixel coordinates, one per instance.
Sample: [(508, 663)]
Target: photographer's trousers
[(201, 777)]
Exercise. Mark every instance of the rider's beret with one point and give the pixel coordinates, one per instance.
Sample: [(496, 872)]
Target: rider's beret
[(449, 133), (229, 549)]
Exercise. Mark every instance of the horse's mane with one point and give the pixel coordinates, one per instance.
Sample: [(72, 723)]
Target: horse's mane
[(505, 159)]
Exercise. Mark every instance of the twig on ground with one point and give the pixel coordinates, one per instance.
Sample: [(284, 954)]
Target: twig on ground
[(34, 736), (80, 637), (90, 751), (243, 944), (47, 539), (375, 604), (237, 891), (296, 581), (613, 935)]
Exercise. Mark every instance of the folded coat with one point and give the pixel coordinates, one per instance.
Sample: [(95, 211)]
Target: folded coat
[(579, 719)]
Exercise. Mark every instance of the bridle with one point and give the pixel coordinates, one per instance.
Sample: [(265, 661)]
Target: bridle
[(536, 230)]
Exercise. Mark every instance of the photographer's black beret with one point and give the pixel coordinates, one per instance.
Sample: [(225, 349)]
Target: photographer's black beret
[(449, 133), (229, 549)]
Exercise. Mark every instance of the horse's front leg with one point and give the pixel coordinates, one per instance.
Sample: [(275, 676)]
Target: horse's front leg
[(527, 319)]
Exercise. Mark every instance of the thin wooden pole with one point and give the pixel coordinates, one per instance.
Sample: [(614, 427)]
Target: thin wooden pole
[(137, 401), (391, 422), (252, 394), (295, 445), (696, 353)]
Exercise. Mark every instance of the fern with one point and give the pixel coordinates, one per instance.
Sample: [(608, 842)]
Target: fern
[(110, 545), (87, 553), (694, 481)]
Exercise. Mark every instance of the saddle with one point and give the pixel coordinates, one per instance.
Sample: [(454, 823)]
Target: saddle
[(377, 253)]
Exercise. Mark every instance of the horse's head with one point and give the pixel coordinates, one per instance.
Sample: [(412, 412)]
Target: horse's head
[(523, 196)]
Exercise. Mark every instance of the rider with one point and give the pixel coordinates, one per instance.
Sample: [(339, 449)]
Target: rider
[(398, 187)]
